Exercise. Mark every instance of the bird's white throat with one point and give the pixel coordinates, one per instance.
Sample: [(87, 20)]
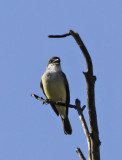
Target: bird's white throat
[(53, 68)]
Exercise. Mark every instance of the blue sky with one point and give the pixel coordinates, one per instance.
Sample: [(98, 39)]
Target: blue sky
[(30, 130)]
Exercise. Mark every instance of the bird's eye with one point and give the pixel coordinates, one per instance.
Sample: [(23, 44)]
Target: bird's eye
[(50, 61)]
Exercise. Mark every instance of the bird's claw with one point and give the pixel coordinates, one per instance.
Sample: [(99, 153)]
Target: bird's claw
[(46, 101)]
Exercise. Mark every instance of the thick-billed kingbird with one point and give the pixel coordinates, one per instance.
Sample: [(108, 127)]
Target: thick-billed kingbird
[(55, 87)]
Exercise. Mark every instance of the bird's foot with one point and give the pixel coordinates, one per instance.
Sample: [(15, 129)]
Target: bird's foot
[(47, 101)]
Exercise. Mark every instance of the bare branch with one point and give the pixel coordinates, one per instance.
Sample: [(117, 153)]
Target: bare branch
[(90, 82), (80, 154), (59, 36), (84, 125), (81, 117), (48, 101), (39, 98)]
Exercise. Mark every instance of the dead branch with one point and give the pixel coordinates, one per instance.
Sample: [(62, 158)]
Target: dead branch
[(90, 82), (84, 125), (94, 149), (48, 101), (59, 36), (80, 154)]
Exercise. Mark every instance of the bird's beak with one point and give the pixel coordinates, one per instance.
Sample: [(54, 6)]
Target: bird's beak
[(56, 61)]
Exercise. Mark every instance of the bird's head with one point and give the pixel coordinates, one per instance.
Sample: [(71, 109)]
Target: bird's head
[(54, 63)]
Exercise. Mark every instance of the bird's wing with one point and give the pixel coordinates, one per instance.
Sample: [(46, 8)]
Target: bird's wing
[(67, 90), (53, 106)]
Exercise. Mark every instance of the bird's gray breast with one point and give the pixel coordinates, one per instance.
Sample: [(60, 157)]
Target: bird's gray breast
[(53, 77)]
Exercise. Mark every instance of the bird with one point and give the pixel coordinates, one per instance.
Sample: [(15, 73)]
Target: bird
[(56, 88)]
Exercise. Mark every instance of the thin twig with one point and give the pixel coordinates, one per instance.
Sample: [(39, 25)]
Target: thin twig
[(83, 122), (84, 125), (80, 154), (59, 36), (48, 101)]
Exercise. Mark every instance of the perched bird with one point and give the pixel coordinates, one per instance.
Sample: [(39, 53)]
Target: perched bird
[(55, 87)]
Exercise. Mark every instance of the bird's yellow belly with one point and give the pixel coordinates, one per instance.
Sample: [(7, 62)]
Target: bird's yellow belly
[(55, 90)]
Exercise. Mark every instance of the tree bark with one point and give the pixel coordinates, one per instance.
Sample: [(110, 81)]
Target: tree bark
[(94, 147), (90, 84)]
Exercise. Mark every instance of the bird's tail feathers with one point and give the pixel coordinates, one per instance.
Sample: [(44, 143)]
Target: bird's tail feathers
[(66, 126)]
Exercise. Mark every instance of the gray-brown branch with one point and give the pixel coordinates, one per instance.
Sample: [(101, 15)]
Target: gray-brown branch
[(48, 101), (80, 154), (94, 149), (84, 125), (90, 82)]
